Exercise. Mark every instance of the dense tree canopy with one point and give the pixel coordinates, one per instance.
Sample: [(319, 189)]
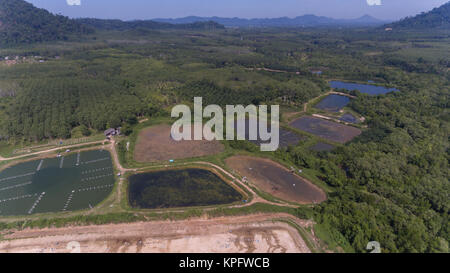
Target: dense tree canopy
[(437, 18), (21, 22)]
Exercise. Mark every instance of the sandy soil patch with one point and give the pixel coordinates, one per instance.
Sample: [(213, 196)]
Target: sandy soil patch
[(254, 233)]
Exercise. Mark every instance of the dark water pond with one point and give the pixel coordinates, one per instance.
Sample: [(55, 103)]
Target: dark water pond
[(179, 188), (333, 103), (363, 88)]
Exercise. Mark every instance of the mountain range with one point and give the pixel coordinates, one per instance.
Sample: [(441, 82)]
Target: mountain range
[(300, 21), (21, 22), (111, 24)]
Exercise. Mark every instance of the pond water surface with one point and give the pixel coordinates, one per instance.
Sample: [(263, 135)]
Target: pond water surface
[(363, 88), (179, 188), (333, 103)]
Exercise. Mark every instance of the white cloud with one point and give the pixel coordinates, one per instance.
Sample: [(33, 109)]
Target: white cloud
[(77, 2), (374, 2)]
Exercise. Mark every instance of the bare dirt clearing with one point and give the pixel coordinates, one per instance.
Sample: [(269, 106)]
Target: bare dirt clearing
[(276, 180), (156, 144), (254, 233)]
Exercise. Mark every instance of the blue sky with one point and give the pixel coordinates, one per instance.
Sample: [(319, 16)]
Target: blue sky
[(148, 9)]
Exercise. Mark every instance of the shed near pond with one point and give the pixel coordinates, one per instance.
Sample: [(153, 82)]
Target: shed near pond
[(112, 132)]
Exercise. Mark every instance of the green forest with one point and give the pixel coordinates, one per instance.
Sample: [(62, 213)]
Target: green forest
[(392, 182), (437, 18), (21, 22)]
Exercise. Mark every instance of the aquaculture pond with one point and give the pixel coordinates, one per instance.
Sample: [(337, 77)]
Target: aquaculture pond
[(156, 144), (326, 129), (333, 103), (67, 183), (273, 178), (363, 88), (287, 138), (179, 188)]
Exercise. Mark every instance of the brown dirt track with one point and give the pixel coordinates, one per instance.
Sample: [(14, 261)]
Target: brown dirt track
[(276, 180), (253, 233), (155, 144)]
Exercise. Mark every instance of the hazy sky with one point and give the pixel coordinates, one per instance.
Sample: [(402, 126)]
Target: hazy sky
[(148, 9)]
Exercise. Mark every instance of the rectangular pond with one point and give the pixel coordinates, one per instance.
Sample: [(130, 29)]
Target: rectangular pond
[(363, 88), (273, 178), (67, 183), (179, 188), (333, 103), (287, 138), (326, 129)]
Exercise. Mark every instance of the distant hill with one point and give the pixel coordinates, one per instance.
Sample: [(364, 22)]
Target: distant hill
[(104, 24), (301, 21), (21, 22), (437, 18)]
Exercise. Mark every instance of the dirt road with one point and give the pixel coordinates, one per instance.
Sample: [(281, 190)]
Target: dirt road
[(51, 150), (253, 233)]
